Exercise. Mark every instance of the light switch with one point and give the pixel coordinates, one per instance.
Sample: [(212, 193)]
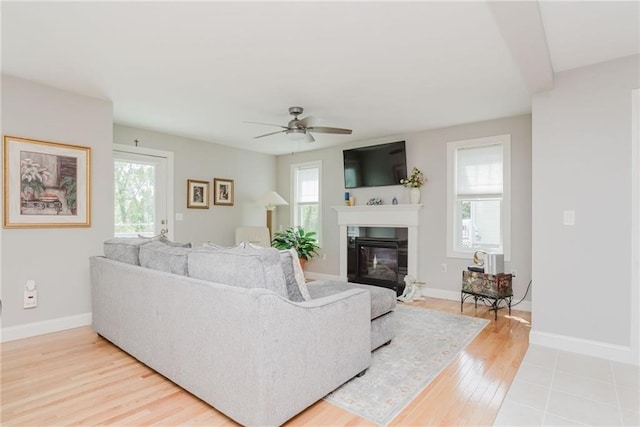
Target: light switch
[(179, 217), (569, 218)]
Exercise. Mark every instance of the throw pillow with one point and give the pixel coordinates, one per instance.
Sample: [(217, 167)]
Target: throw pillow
[(294, 277), (239, 266)]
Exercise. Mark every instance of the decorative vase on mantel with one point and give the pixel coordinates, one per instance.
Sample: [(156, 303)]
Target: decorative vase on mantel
[(414, 195)]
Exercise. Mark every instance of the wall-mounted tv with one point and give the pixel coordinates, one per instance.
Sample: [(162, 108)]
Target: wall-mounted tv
[(375, 166)]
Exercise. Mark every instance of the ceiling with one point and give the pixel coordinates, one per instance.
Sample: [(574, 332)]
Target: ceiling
[(201, 69)]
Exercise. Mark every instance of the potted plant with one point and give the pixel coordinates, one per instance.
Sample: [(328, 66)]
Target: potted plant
[(305, 243), (414, 182)]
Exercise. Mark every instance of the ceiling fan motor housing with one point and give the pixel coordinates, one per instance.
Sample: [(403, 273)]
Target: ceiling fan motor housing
[(294, 111)]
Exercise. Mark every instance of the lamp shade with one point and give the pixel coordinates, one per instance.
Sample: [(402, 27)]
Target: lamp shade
[(271, 199)]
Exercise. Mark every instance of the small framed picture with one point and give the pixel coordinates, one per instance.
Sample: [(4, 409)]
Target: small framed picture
[(197, 194), (46, 184), (222, 191)]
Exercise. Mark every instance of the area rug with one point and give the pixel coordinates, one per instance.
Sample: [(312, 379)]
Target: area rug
[(426, 341)]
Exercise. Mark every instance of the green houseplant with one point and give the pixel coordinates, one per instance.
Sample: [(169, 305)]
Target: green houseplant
[(305, 243)]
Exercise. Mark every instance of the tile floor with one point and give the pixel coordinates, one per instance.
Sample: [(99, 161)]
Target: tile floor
[(558, 388)]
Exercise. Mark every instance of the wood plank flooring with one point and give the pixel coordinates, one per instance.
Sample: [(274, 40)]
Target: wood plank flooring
[(75, 377)]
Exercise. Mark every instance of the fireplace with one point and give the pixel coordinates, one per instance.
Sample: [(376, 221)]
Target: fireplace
[(379, 222), (375, 260)]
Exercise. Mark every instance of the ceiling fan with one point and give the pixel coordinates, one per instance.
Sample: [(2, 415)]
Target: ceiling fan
[(300, 129)]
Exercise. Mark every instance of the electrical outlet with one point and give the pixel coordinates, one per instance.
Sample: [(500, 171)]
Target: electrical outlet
[(30, 295), (443, 268), (514, 272), (324, 257)]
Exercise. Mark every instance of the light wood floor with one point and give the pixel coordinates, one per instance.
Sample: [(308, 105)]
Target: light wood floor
[(75, 377)]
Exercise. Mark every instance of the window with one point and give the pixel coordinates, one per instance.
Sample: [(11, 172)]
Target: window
[(478, 202), (306, 209)]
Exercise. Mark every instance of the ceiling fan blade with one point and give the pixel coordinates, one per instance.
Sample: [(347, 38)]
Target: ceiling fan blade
[(324, 129), (268, 134), (268, 124)]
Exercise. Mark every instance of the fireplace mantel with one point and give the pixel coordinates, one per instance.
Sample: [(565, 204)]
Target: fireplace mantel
[(380, 216)]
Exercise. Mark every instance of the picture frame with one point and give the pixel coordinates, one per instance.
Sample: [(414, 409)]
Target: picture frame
[(223, 191), (46, 184), (197, 194)]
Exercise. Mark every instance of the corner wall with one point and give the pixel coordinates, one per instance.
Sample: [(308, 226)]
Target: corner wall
[(56, 258), (253, 174), (582, 151), (427, 151)]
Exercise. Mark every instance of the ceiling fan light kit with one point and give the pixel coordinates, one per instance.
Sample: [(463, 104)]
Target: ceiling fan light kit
[(300, 129)]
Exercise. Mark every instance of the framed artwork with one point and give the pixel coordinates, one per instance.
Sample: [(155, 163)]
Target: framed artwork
[(46, 184), (197, 194), (222, 191)]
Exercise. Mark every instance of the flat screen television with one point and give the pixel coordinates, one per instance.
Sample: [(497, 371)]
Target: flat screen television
[(375, 166)]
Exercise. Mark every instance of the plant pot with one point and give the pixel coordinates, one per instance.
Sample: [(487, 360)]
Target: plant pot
[(302, 262), (414, 196)]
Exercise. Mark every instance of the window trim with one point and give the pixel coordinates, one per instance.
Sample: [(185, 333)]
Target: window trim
[(505, 211), (293, 205)]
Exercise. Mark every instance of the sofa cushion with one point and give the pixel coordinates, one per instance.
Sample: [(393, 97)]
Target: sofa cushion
[(296, 285), (127, 249), (241, 266), (383, 300), (159, 255)]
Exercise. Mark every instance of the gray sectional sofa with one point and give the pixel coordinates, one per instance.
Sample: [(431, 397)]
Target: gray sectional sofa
[(221, 323)]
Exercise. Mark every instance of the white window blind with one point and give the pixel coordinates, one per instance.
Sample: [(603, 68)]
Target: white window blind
[(479, 170)]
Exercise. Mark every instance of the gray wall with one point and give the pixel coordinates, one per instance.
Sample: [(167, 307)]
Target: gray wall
[(252, 173), (56, 258), (427, 151), (582, 162)]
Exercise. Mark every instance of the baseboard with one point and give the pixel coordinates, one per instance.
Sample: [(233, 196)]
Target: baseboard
[(12, 333), (599, 349), (455, 296)]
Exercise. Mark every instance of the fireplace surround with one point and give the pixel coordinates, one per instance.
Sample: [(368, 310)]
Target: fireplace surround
[(386, 216)]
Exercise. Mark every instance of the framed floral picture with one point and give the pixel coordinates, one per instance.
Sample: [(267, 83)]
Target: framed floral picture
[(197, 194), (46, 184), (222, 191)]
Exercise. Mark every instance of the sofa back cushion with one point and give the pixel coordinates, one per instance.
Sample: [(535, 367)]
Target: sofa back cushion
[(125, 249), (241, 266), (163, 256)]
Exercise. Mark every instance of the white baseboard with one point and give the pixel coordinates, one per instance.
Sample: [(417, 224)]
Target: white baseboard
[(12, 333), (599, 349), (455, 296)]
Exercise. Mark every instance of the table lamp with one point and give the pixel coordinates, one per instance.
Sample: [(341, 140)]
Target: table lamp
[(270, 200)]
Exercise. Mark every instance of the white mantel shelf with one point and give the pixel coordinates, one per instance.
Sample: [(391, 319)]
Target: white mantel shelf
[(380, 216)]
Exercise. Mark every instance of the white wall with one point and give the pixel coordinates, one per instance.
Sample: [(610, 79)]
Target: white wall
[(57, 258), (582, 161), (253, 174), (427, 151)]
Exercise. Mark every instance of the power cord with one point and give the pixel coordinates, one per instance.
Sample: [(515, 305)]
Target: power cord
[(512, 305)]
